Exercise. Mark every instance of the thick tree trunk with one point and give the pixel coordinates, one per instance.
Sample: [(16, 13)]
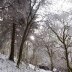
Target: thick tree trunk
[(11, 57)]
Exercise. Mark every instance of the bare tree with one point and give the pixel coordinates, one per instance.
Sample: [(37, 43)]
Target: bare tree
[(14, 14), (49, 46), (11, 57), (50, 53), (64, 40), (29, 20)]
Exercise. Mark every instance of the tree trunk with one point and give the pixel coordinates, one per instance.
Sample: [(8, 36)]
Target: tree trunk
[(67, 60), (21, 46), (11, 57), (51, 60)]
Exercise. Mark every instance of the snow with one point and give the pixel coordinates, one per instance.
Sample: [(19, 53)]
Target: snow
[(42, 70), (9, 66), (32, 66), (54, 69), (1, 19)]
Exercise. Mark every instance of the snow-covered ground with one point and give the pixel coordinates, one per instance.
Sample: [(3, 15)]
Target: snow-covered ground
[(9, 66)]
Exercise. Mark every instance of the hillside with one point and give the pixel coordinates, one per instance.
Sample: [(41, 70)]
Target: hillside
[(9, 66)]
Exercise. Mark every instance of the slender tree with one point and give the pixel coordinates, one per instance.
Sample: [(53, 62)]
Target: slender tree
[(29, 20), (11, 57), (63, 40), (50, 52), (15, 15)]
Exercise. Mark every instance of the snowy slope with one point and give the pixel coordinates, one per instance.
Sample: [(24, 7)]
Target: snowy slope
[(9, 66)]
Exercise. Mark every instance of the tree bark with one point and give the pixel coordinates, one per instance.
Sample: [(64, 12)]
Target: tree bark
[(67, 60), (11, 57), (51, 60), (29, 24), (21, 46)]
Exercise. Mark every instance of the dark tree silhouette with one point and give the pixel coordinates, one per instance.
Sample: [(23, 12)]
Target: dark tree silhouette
[(63, 41), (29, 20), (11, 57)]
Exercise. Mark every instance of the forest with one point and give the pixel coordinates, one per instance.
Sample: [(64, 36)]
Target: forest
[(35, 35)]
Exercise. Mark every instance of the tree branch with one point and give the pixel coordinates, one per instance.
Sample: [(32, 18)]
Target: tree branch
[(56, 34)]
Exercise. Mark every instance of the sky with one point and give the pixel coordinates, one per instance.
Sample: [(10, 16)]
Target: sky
[(56, 6)]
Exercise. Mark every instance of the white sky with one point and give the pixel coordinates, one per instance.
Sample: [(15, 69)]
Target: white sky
[(56, 6)]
